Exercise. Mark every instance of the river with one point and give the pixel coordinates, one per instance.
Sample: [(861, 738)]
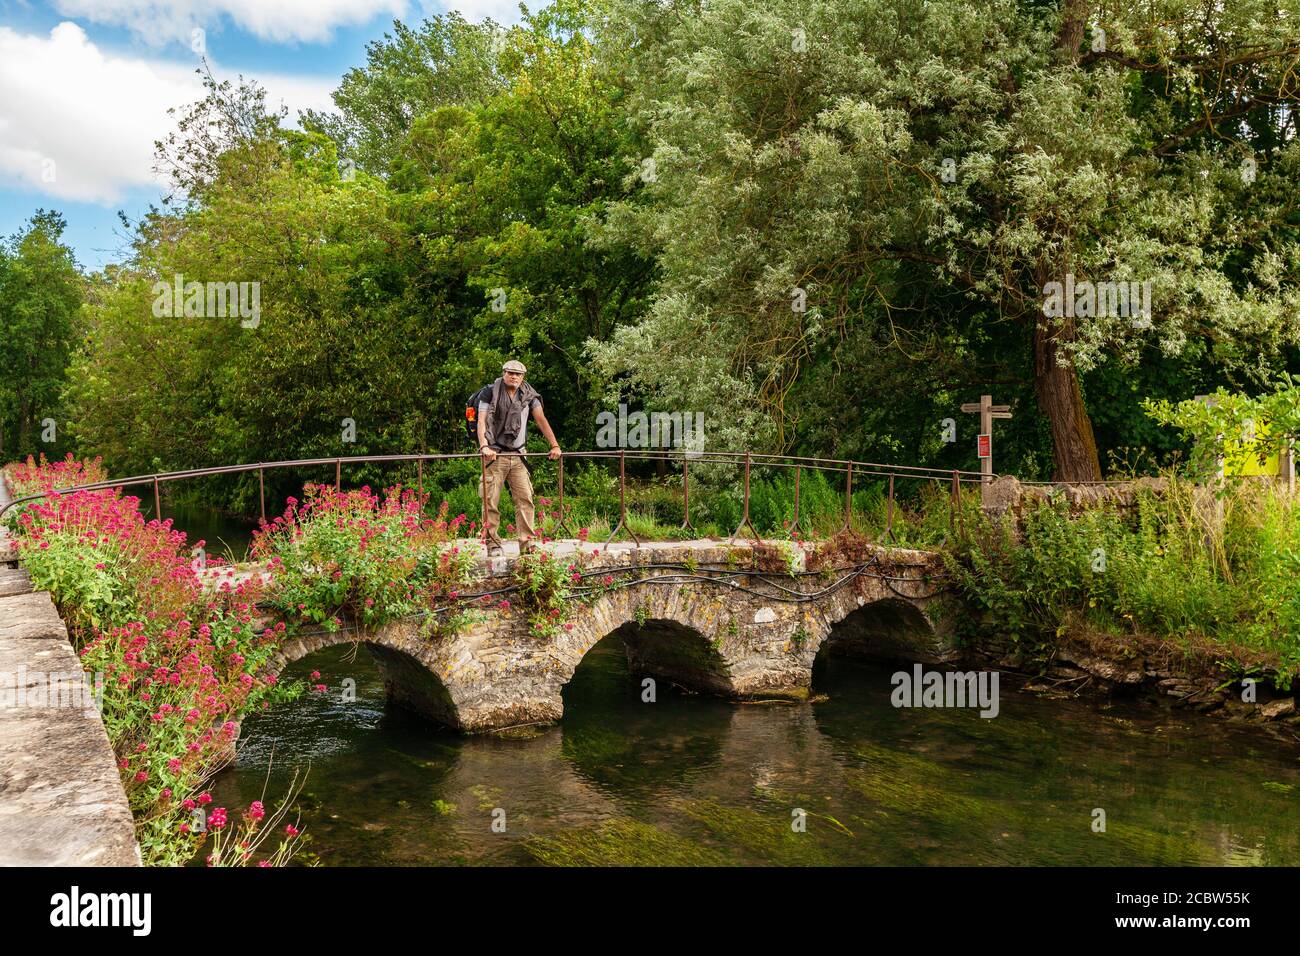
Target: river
[(693, 780)]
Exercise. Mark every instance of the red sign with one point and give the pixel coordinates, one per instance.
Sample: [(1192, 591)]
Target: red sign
[(985, 446)]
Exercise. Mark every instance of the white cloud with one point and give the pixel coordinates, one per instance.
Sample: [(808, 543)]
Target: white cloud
[(502, 11), (163, 21), (95, 116)]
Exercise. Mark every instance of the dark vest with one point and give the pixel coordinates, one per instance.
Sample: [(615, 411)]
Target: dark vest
[(506, 414)]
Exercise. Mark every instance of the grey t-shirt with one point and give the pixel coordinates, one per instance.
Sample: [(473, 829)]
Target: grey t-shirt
[(485, 407)]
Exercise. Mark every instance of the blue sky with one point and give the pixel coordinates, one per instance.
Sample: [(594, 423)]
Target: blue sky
[(85, 84)]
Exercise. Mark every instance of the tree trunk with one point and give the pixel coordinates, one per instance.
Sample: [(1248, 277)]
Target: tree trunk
[(1057, 386), (1074, 19), (1061, 400)]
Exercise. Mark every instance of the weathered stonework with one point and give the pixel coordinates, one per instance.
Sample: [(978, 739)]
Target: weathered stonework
[(61, 799), (710, 637), (1010, 494)]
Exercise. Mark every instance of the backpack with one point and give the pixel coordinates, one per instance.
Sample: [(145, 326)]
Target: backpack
[(484, 394)]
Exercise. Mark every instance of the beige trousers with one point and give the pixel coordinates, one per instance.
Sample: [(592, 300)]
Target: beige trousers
[(508, 469)]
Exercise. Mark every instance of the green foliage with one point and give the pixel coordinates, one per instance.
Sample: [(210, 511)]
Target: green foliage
[(351, 554), (1172, 570), (40, 295), (1235, 427), (920, 171), (545, 583), (176, 667), (377, 295)]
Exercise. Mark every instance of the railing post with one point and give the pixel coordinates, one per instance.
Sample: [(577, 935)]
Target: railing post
[(848, 497), (419, 481), (744, 518), (338, 475), (954, 502), (482, 497), (686, 492), (261, 490), (889, 513), (794, 523), (563, 524), (622, 500), (157, 503)]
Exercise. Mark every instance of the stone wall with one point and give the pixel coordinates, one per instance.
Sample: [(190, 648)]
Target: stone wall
[(1011, 494), (709, 636), (61, 799)]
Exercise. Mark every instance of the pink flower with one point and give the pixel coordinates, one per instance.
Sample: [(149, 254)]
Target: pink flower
[(291, 830), (205, 798), (141, 776), (256, 810)]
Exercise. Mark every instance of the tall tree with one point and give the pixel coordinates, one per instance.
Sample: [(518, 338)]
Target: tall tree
[(40, 293), (825, 169), (408, 74)]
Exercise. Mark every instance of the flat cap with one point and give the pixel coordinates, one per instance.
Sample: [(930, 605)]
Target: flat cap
[(513, 366)]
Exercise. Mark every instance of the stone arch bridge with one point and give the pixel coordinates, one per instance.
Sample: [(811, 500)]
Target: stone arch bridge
[(700, 615)]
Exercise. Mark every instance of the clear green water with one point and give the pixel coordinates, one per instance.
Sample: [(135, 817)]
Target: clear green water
[(691, 779), (224, 536)]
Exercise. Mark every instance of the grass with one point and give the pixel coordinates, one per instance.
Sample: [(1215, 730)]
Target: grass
[(1217, 577)]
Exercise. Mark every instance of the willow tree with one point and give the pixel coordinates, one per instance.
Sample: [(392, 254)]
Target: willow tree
[(811, 162)]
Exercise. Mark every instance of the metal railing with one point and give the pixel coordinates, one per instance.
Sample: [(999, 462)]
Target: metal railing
[(746, 460)]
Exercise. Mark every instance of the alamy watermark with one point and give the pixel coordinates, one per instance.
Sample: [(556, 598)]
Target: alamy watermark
[(656, 430), (77, 690), (130, 910), (1125, 300), (921, 688), (209, 300)]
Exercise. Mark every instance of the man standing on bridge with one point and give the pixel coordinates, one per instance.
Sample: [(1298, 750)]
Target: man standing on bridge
[(502, 425)]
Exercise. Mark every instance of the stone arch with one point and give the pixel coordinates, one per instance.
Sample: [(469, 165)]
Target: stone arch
[(677, 634), (409, 670), (887, 628)]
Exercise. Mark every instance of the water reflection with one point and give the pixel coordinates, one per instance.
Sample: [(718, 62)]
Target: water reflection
[(690, 779)]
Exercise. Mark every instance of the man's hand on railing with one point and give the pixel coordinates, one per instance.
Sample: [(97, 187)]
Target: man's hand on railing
[(488, 454), (555, 452)]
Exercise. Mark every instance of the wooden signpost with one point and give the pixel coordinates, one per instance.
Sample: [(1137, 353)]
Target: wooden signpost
[(984, 444)]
